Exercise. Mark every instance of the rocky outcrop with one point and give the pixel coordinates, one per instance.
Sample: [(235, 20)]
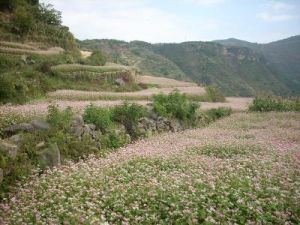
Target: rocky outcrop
[(34, 125), (156, 124), (40, 125), (16, 128), (79, 129), (120, 82), (11, 146)]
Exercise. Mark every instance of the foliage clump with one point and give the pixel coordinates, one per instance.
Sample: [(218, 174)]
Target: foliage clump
[(59, 119), (218, 113), (175, 105), (214, 94), (128, 115), (100, 117), (267, 103), (97, 58)]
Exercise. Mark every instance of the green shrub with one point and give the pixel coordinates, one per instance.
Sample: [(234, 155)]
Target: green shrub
[(128, 115), (101, 117), (175, 105), (97, 58), (22, 21), (218, 113), (214, 94), (267, 103), (112, 141), (59, 120)]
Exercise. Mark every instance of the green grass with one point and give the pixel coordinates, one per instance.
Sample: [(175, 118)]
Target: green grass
[(69, 68)]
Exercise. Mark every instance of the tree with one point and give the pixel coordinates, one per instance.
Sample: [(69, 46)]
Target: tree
[(47, 14), (98, 58)]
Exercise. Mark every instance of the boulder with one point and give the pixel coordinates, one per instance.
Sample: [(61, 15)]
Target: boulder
[(77, 120), (40, 145), (9, 148), (49, 157), (40, 125), (16, 128), (120, 82), (16, 139), (79, 129), (27, 127), (175, 126), (162, 124)]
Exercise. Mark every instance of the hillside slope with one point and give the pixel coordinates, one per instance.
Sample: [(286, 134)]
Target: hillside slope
[(137, 54), (282, 57), (238, 67)]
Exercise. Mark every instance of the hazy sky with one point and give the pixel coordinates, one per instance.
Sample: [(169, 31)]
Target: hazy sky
[(181, 20)]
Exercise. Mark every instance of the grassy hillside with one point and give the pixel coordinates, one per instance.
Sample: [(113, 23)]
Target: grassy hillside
[(237, 70), (138, 54), (38, 54)]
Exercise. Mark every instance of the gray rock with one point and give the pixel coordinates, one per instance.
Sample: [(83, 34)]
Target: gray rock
[(1, 175), (92, 126), (40, 125), (49, 157), (16, 139), (40, 145), (25, 127), (77, 120), (120, 82), (175, 126), (77, 130), (87, 131), (10, 148), (153, 115)]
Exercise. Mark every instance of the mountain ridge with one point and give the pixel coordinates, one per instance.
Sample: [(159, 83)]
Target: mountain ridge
[(238, 67)]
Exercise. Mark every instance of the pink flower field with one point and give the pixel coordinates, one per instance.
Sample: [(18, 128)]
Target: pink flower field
[(243, 169)]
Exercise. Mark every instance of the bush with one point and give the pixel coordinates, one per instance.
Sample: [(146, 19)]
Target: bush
[(175, 105), (214, 114), (98, 58), (59, 120), (214, 94), (267, 103), (101, 117), (23, 21), (112, 141), (128, 115)]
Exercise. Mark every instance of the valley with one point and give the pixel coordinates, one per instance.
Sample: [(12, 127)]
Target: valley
[(104, 131)]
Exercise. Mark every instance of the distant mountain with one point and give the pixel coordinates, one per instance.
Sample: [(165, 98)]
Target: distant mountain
[(238, 67), (282, 57)]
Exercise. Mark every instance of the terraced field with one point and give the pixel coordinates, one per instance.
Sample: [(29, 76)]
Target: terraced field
[(241, 170), (237, 104), (137, 95), (30, 48), (165, 82)]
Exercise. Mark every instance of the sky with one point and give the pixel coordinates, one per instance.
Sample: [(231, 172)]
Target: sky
[(165, 21)]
